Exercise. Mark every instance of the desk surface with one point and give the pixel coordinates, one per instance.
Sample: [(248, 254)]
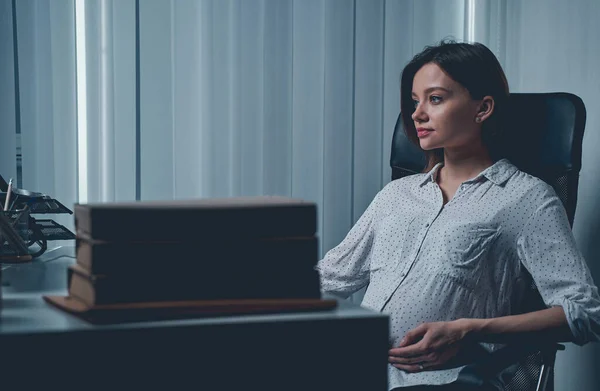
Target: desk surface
[(24, 310)]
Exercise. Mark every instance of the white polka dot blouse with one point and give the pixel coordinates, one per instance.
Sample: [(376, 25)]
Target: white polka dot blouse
[(423, 261)]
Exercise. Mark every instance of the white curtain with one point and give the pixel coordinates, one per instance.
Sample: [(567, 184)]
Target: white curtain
[(265, 97), (8, 118), (38, 102), (110, 70), (212, 98)]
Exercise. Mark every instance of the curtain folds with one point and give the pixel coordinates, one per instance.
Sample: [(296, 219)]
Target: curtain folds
[(42, 97), (264, 97)]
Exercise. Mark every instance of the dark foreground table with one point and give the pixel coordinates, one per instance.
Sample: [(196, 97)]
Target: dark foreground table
[(41, 346)]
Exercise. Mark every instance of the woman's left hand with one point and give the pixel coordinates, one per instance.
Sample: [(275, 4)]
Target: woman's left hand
[(429, 346)]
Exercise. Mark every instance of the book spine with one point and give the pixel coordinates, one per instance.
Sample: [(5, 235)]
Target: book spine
[(203, 256), (191, 224), (115, 290)]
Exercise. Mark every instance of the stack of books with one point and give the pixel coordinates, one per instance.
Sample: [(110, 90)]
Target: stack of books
[(207, 255)]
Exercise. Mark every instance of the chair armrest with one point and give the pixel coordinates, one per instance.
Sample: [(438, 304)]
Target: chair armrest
[(549, 353), (497, 368)]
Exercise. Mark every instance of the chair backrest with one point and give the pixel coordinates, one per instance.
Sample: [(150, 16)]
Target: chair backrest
[(545, 131)]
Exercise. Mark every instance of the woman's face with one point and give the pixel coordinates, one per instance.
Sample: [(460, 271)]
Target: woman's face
[(445, 114)]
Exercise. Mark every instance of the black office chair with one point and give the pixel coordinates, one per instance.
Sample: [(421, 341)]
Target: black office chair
[(545, 132)]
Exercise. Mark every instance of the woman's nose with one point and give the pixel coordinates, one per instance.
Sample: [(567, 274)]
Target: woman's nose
[(418, 115)]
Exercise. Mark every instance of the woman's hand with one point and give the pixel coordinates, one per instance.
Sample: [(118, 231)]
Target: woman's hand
[(429, 346)]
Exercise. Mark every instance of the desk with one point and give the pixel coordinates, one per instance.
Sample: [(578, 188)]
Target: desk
[(341, 349)]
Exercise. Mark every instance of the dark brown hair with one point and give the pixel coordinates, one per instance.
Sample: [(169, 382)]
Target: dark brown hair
[(476, 68)]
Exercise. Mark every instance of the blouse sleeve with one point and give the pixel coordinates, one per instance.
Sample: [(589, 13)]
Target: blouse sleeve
[(546, 247), (345, 268)]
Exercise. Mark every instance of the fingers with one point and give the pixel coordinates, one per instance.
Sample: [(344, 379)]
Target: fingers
[(418, 349), (428, 362), (432, 357), (412, 336), (415, 350)]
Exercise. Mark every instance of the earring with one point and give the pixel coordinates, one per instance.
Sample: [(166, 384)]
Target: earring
[(477, 119)]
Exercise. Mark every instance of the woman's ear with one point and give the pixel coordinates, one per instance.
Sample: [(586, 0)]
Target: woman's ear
[(486, 108)]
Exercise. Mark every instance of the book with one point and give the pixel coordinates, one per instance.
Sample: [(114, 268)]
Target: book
[(181, 220), (166, 310), (267, 255), (174, 284)]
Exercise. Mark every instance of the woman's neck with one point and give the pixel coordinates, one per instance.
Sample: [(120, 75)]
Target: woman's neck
[(462, 167)]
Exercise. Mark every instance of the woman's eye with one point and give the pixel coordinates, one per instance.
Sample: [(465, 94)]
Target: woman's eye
[(415, 103), (435, 99)]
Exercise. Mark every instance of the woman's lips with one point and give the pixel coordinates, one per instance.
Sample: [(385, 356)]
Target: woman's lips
[(423, 132)]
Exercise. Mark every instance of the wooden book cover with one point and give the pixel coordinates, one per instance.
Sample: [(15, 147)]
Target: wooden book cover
[(154, 311), (178, 284), (200, 256), (182, 220)]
